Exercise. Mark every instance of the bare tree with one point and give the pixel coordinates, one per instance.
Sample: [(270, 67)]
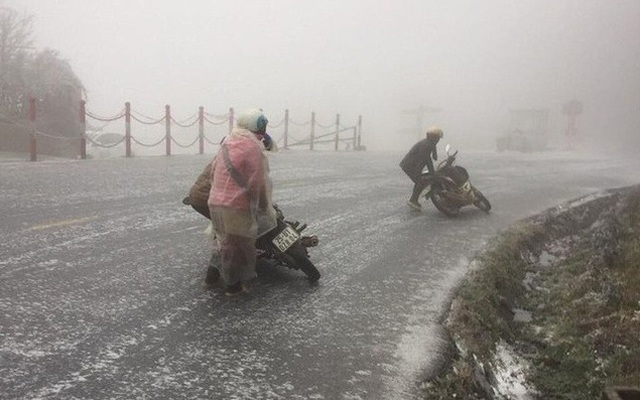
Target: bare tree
[(26, 72), (16, 41), (59, 90)]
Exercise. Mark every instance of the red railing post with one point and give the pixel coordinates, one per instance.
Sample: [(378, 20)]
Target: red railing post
[(167, 122), (337, 131), (230, 119), (83, 128), (127, 128), (286, 129), (355, 133), (201, 129), (313, 127), (359, 131), (32, 135)]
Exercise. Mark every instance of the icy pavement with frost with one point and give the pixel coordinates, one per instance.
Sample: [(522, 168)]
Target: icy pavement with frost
[(102, 267)]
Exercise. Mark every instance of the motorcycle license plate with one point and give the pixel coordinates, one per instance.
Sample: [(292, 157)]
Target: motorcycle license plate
[(467, 186), (285, 239)]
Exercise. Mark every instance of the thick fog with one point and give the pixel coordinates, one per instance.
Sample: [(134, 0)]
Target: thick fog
[(380, 59)]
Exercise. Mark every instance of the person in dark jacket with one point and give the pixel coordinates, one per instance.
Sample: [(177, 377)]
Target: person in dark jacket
[(417, 158)]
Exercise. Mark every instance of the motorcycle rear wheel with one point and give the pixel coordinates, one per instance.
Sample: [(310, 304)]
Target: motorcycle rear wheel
[(481, 201), (440, 202), (299, 254)]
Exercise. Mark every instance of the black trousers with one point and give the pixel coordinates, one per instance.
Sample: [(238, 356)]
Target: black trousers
[(417, 184)]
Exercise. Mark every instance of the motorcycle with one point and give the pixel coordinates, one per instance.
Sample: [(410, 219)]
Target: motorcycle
[(450, 189), (285, 245)]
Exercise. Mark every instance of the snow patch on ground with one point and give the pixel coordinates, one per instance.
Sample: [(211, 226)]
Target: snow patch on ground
[(510, 374)]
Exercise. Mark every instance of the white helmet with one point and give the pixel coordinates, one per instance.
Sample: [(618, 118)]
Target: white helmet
[(253, 120)]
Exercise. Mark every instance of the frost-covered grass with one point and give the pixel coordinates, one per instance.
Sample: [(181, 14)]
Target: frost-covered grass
[(576, 272)]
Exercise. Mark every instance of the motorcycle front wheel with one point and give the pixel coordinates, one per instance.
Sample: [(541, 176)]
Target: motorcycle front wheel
[(442, 204), (299, 254), (481, 201)]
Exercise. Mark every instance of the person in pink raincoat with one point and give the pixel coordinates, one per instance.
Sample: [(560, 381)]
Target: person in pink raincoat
[(240, 195)]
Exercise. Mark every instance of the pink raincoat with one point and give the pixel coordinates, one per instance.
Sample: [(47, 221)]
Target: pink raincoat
[(236, 202)]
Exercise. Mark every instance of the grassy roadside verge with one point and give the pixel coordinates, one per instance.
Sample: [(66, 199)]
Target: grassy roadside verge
[(559, 293)]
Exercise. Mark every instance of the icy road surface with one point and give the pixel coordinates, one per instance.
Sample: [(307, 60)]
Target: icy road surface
[(102, 269)]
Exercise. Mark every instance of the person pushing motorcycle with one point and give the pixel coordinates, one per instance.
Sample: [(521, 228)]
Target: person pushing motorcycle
[(198, 199), (239, 193), (417, 158)]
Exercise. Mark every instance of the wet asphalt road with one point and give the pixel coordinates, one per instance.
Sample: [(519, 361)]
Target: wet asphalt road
[(102, 269)]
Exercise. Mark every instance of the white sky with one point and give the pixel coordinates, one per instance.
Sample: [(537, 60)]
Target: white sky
[(473, 59)]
